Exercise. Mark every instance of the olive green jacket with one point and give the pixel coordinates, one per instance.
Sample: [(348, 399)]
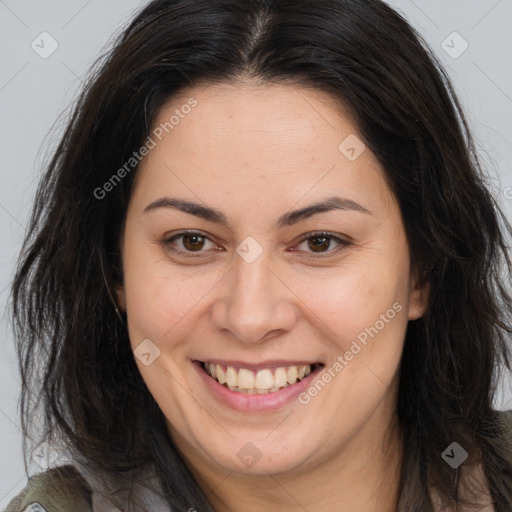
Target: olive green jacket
[(63, 489), (69, 488), (56, 490)]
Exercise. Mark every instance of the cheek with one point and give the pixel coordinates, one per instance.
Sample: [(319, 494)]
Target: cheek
[(158, 296), (356, 296), (165, 301)]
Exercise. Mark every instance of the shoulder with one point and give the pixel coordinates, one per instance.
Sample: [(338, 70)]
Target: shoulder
[(81, 489), (506, 416), (58, 489), (506, 419)]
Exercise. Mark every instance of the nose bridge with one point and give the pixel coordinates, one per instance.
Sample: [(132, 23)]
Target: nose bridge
[(251, 283), (256, 302)]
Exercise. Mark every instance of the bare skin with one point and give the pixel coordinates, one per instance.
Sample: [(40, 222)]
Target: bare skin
[(255, 153)]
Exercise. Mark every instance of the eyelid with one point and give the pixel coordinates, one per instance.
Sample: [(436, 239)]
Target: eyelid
[(343, 242)]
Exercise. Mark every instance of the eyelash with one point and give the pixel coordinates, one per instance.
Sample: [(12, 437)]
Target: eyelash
[(166, 243)]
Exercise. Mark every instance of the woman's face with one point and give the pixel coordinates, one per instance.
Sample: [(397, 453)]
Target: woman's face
[(256, 294)]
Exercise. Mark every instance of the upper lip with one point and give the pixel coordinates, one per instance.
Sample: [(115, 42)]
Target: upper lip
[(258, 366)]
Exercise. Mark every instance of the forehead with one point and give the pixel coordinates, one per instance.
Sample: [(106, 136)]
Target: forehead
[(268, 117), (261, 141)]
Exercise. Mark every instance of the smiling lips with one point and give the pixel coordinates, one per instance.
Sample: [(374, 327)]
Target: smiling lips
[(264, 381)]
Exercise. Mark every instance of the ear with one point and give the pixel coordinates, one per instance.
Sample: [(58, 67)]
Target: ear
[(121, 298), (418, 296)]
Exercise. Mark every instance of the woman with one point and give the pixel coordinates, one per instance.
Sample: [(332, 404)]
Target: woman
[(264, 272)]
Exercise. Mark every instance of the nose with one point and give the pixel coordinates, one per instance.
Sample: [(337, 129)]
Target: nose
[(255, 303)]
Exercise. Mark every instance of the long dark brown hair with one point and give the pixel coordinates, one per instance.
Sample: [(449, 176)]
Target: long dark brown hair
[(74, 351)]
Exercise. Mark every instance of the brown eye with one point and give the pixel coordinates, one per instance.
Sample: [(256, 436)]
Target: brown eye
[(319, 243), (193, 242)]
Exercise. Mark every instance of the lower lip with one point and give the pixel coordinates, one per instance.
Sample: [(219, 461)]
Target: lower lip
[(255, 403)]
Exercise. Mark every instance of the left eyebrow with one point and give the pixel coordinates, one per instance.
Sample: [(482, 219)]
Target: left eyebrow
[(288, 219)]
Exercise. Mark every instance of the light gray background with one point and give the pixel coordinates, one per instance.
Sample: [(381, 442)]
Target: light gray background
[(35, 91)]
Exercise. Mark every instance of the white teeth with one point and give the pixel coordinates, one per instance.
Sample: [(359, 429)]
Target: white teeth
[(292, 375), (261, 382), (264, 380), (221, 376), (280, 377), (231, 377), (245, 379)]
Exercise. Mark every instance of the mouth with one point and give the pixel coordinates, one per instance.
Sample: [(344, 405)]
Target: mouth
[(262, 381)]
